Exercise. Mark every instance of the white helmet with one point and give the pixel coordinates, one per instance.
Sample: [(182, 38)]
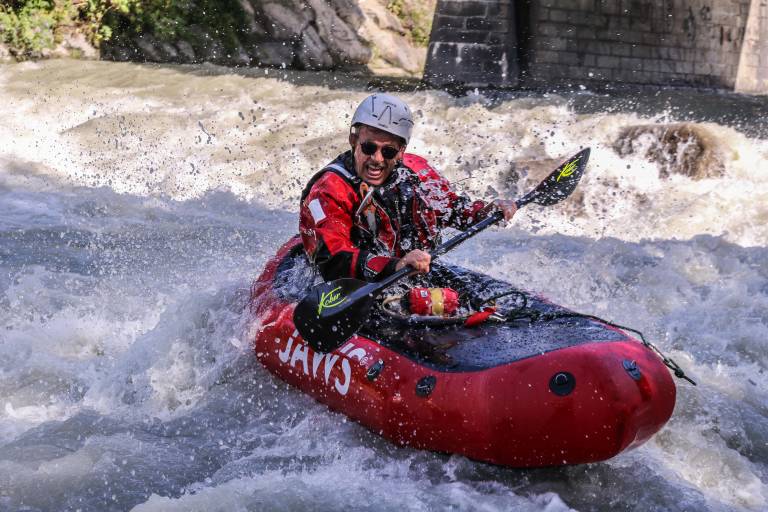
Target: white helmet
[(387, 113)]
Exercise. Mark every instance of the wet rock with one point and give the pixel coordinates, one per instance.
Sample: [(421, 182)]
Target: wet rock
[(682, 148), (349, 11), (313, 54), (239, 57), (253, 26), (342, 41), (121, 50), (74, 44), (273, 54), (286, 23), (378, 14), (149, 47), (304, 34), (186, 52), (169, 52), (207, 47), (393, 53)]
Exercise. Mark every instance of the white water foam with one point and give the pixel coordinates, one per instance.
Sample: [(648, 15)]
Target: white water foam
[(138, 202)]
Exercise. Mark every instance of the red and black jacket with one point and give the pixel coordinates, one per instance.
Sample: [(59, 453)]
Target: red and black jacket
[(406, 212)]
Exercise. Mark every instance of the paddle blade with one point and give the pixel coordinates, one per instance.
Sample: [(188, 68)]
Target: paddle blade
[(560, 183), (327, 317)]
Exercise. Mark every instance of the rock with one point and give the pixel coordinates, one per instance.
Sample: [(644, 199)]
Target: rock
[(169, 52), (342, 41), (681, 148), (120, 49), (206, 47), (149, 47), (377, 13), (306, 34), (238, 57), (254, 28), (312, 52), (186, 52), (74, 44), (394, 54), (284, 23), (349, 11), (5, 54), (273, 54)]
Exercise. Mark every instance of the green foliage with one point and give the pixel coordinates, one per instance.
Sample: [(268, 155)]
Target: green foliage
[(31, 26), (416, 17), (92, 13), (169, 20)]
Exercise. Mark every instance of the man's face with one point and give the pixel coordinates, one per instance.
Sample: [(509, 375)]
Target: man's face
[(374, 169)]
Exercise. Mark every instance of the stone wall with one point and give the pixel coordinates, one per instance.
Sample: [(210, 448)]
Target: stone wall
[(473, 43), (753, 66), (532, 43), (685, 42)]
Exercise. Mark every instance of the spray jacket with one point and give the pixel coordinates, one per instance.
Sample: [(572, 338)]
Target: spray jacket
[(350, 230)]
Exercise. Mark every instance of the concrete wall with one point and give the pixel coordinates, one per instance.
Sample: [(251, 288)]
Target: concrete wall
[(710, 43), (753, 66), (473, 43), (686, 42)]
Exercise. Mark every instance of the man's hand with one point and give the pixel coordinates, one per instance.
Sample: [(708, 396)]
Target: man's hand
[(417, 259), (507, 206)]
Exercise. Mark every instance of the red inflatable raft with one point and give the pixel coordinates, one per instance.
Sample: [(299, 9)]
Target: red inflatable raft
[(545, 389)]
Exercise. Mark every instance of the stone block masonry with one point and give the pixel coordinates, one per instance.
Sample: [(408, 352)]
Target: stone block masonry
[(532, 43), (753, 66), (691, 42), (473, 43)]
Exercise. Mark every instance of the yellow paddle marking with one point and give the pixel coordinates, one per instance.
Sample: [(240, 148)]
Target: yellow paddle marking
[(330, 299), (569, 169)]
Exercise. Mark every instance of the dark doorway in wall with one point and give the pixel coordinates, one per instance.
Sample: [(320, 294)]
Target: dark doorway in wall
[(523, 12)]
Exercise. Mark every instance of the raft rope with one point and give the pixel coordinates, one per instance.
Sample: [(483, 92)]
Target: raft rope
[(535, 316)]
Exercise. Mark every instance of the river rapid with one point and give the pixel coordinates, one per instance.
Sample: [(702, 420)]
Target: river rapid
[(137, 203)]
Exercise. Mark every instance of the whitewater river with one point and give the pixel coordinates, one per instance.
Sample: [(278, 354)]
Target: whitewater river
[(137, 203)]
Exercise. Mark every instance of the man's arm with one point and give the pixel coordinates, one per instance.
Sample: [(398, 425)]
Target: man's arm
[(326, 225), (452, 209)]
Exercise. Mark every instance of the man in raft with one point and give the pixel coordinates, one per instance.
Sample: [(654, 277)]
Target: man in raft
[(376, 208)]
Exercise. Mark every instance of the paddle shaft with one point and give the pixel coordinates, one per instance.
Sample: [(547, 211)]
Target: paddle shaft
[(437, 252)]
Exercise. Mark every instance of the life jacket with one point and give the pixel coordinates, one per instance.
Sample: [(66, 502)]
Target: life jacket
[(348, 232)]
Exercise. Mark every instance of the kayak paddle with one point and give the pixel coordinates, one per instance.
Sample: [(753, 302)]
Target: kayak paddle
[(332, 312)]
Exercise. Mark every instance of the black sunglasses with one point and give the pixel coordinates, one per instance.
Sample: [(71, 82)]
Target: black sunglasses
[(370, 148)]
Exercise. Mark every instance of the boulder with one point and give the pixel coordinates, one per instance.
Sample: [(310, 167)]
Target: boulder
[(253, 26), (349, 11), (206, 47), (312, 52), (149, 47), (74, 44), (394, 54), (283, 22), (680, 148), (342, 41), (186, 51), (305, 34), (272, 53)]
